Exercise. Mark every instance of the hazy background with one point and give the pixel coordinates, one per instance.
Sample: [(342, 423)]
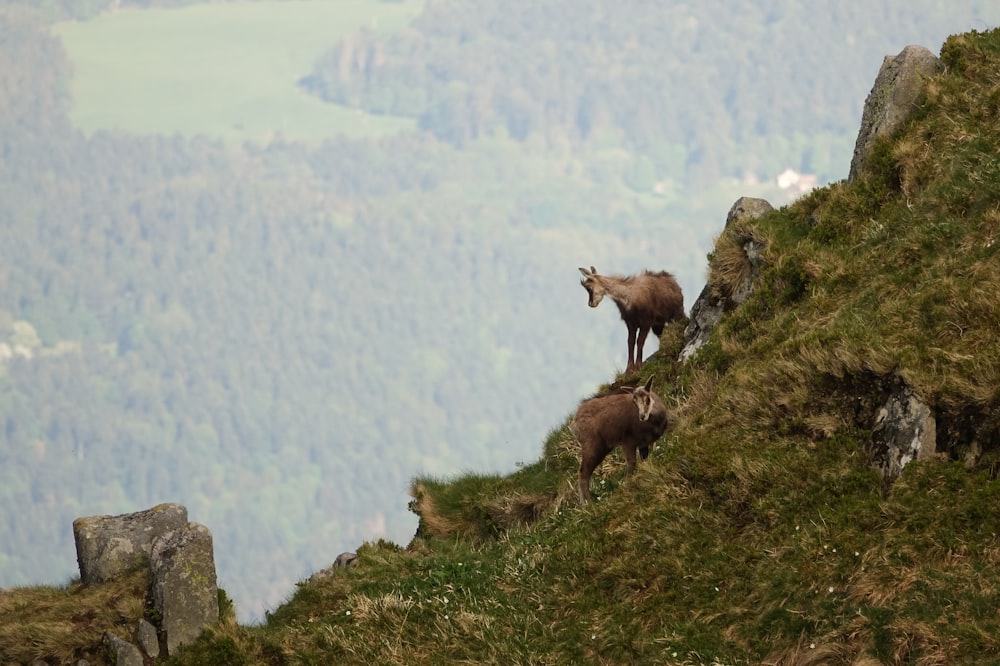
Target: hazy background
[(272, 260)]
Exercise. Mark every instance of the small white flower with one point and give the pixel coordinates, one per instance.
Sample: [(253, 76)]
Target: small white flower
[(856, 554), (446, 617), (835, 550), (716, 589), (446, 599), (830, 589), (348, 612), (812, 646), (593, 636)]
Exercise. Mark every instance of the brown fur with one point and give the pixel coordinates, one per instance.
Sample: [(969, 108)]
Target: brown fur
[(634, 419), (647, 301)]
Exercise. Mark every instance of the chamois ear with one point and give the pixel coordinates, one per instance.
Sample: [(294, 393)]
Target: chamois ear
[(585, 273), (649, 383), (593, 270)]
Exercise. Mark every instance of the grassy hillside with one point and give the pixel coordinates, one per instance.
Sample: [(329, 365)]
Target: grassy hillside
[(239, 60), (759, 532)]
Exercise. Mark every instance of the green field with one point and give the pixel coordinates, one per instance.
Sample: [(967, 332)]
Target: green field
[(227, 70)]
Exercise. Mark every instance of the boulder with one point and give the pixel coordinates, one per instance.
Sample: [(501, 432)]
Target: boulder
[(711, 304), (343, 561), (904, 430), (346, 560), (897, 93), (146, 637), (108, 546), (122, 652), (183, 584)]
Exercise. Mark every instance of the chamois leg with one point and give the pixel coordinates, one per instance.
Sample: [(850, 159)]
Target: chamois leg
[(631, 345), (589, 462), (643, 332), (629, 459), (643, 452)]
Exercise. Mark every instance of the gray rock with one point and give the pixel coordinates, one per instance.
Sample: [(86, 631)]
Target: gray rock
[(711, 305), (108, 546), (122, 652), (145, 636), (705, 314), (346, 560), (904, 430), (321, 575), (897, 93), (343, 560), (183, 586)]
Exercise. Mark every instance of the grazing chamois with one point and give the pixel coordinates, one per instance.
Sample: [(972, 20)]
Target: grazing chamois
[(646, 301), (635, 419)]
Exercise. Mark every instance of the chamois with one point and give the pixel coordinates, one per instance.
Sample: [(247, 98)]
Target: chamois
[(635, 419), (646, 301)]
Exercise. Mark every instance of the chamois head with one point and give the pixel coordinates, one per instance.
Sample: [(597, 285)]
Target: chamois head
[(593, 286), (643, 399)]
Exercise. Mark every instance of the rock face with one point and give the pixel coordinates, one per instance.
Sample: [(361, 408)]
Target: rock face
[(904, 430), (184, 588), (894, 97), (108, 546), (710, 306)]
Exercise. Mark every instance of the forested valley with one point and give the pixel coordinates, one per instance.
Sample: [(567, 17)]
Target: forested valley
[(279, 335)]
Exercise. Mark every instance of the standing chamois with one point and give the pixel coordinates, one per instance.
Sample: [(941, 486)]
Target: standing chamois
[(646, 301), (635, 419)]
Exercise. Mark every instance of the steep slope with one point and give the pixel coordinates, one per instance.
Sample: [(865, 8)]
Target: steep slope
[(759, 532)]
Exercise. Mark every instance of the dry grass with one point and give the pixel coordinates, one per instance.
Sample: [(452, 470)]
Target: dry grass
[(66, 624), (434, 521), (730, 267)]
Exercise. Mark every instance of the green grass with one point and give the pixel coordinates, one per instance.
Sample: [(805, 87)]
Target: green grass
[(758, 532), (227, 70)]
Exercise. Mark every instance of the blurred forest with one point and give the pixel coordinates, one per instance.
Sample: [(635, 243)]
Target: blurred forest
[(281, 335)]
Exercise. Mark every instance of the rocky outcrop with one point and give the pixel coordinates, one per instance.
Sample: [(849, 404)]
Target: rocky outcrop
[(108, 546), (184, 589), (181, 562), (896, 94), (713, 303), (904, 430)]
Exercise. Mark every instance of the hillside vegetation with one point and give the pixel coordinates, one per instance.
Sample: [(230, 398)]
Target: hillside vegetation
[(280, 331), (759, 533)]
